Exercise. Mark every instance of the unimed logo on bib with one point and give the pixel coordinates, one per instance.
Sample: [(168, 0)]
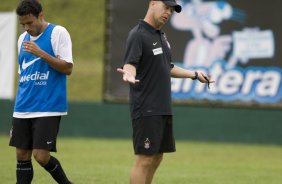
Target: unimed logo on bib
[(37, 77)]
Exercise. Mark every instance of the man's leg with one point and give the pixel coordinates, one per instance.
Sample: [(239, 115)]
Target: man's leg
[(51, 164), (149, 143), (144, 168), (24, 166), (20, 138), (44, 141), (157, 161)]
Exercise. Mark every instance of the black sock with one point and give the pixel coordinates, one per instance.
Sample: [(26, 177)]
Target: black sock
[(24, 172), (55, 169)]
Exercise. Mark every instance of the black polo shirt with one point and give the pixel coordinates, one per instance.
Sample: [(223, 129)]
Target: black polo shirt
[(149, 51)]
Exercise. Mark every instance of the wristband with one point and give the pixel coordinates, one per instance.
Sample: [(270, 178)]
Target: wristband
[(196, 76)]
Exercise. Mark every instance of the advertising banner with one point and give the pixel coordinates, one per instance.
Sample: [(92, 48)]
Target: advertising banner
[(237, 42), (7, 54)]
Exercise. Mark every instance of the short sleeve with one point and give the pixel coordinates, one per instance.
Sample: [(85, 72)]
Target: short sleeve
[(20, 41), (133, 49), (62, 44)]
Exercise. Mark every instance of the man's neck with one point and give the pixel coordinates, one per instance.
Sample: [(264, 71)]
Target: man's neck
[(44, 26), (151, 21)]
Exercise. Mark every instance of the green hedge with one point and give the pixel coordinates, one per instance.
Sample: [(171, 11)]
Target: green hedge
[(190, 123)]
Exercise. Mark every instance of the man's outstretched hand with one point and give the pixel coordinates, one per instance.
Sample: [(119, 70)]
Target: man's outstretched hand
[(127, 76)]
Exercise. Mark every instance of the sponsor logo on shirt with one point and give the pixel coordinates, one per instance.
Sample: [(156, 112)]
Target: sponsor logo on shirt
[(25, 64), (39, 77), (158, 51)]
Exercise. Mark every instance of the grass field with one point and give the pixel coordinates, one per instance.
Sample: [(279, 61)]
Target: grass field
[(108, 161)]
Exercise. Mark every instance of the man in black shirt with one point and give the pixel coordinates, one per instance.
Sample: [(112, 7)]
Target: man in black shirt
[(148, 68)]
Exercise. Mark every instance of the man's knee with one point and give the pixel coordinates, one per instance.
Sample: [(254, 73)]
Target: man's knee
[(41, 156), (23, 154), (158, 158), (148, 161)]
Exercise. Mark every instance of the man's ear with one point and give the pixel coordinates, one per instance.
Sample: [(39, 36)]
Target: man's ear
[(41, 15), (152, 3)]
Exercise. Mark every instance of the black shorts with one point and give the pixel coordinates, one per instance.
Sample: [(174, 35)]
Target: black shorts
[(35, 133), (152, 135)]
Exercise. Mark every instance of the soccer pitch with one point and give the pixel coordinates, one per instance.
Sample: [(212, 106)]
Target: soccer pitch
[(108, 161)]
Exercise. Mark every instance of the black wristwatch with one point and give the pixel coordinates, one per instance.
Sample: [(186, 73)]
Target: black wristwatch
[(196, 76)]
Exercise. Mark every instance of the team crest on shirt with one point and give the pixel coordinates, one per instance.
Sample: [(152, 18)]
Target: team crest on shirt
[(147, 143)]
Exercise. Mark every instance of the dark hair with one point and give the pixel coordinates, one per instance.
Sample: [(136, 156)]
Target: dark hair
[(27, 7)]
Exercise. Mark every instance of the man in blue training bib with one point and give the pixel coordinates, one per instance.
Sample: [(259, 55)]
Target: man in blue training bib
[(45, 59)]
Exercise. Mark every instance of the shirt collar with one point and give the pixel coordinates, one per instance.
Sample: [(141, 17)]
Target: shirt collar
[(149, 27)]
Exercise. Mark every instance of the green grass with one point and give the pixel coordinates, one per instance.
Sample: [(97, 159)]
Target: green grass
[(108, 161), (85, 21), (85, 83)]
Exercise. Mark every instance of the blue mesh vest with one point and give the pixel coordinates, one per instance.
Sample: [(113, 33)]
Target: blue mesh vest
[(41, 88)]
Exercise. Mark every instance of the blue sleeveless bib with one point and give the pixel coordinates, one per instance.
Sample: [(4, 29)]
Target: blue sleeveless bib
[(41, 88)]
